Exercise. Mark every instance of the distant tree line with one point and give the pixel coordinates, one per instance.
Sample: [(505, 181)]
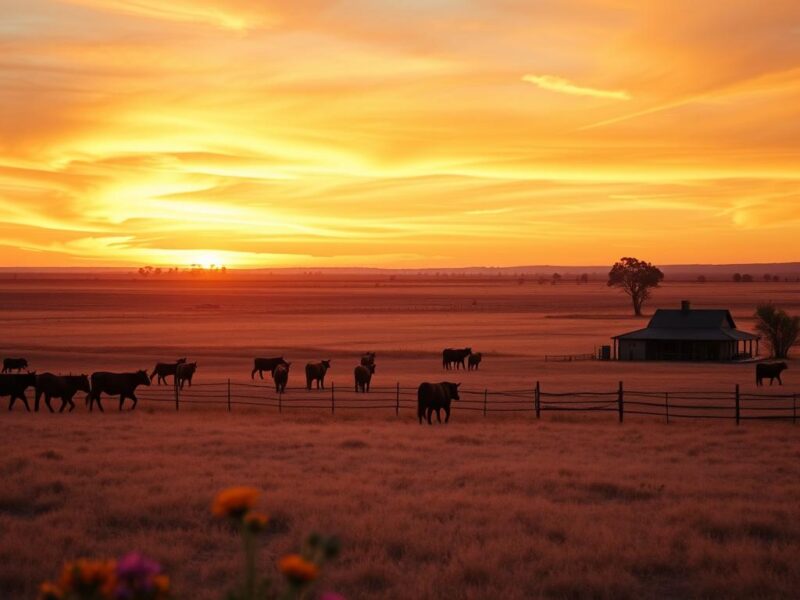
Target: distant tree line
[(194, 269), (767, 277)]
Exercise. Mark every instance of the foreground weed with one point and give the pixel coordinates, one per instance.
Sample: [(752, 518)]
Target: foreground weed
[(137, 577)]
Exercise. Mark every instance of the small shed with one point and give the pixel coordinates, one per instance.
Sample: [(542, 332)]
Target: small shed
[(687, 334)]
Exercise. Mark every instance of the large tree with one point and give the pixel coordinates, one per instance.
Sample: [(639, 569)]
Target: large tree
[(636, 278), (780, 330)]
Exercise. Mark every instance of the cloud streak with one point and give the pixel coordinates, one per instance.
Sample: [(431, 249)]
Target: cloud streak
[(552, 83), (396, 134)]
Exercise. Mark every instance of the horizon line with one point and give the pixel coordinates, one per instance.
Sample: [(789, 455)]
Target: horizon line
[(390, 269)]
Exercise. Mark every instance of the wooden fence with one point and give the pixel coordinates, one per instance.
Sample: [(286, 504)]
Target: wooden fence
[(732, 404), (568, 357)]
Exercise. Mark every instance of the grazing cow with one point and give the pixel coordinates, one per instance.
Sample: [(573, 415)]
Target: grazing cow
[(14, 364), (60, 386), (436, 396), (363, 376), (265, 364), (281, 377), (14, 386), (164, 370), (771, 370), (316, 372), (455, 356), (474, 360), (184, 373), (116, 384), (368, 358)]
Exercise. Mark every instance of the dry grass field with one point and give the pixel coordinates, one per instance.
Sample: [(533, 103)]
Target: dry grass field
[(486, 509), (503, 506)]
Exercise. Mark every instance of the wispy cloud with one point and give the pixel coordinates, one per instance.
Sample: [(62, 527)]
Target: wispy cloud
[(363, 132), (565, 86)]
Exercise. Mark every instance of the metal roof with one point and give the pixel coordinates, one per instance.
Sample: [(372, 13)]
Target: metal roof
[(707, 325), (688, 334)]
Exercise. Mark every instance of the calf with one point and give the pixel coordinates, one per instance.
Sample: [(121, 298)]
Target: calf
[(184, 373), (363, 377), (474, 360), (281, 377), (316, 372)]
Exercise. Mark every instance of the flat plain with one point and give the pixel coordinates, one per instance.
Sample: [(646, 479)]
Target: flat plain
[(507, 506)]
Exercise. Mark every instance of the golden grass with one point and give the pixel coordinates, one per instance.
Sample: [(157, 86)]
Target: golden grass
[(477, 509)]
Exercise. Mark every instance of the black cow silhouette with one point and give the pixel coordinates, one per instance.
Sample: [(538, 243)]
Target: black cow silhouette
[(436, 396), (281, 377), (164, 370), (368, 358), (771, 370), (474, 361), (184, 373), (316, 372), (265, 364), (363, 376), (60, 386), (14, 385), (455, 356), (14, 364), (116, 384)]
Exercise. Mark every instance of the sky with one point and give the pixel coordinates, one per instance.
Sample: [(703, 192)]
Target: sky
[(421, 133)]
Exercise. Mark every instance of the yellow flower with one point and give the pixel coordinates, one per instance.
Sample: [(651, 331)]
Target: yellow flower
[(297, 569), (256, 521), (50, 591), (234, 502)]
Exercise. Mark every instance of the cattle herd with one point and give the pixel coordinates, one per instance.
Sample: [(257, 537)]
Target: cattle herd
[(431, 397)]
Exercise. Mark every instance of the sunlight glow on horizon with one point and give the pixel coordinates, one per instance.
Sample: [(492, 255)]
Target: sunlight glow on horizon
[(375, 133)]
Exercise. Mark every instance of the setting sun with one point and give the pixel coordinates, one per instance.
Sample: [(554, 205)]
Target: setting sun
[(208, 260)]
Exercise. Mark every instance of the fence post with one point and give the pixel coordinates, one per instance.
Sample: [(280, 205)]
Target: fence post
[(177, 395), (666, 405), (397, 401), (229, 395), (485, 395), (737, 403), (537, 400), (332, 398), (621, 402)]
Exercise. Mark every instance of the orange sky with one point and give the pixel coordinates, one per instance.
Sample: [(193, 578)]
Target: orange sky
[(398, 134)]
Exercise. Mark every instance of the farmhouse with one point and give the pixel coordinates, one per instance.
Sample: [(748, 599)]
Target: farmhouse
[(687, 334)]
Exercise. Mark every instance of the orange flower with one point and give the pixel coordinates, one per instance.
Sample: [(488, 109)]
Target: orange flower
[(89, 576), (297, 569), (161, 584), (256, 521), (234, 502), (50, 591)]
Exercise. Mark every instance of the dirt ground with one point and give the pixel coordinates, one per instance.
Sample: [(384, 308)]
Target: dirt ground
[(120, 324)]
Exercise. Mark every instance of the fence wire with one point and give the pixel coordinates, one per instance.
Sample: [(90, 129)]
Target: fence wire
[(667, 405)]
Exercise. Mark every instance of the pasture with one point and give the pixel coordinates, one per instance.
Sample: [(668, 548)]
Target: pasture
[(477, 509), (568, 506)]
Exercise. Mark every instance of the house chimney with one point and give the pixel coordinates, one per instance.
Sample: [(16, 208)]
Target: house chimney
[(686, 306)]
